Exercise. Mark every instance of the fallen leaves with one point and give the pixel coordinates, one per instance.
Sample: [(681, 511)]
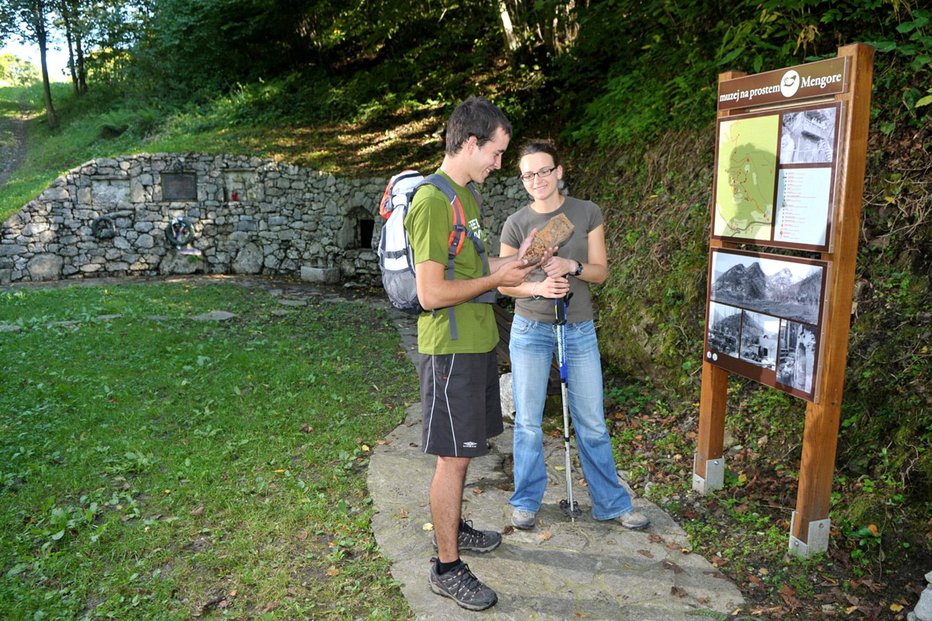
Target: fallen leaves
[(789, 597)]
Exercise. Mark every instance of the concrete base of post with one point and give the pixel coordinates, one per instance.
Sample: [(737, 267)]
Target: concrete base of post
[(714, 475), (816, 540)]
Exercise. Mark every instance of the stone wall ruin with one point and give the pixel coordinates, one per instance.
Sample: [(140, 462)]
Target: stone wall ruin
[(145, 215)]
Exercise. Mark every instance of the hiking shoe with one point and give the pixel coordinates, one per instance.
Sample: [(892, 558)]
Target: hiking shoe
[(523, 519), (462, 586), (633, 520), (474, 540)]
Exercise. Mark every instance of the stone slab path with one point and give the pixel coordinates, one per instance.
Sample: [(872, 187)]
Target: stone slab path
[(558, 570)]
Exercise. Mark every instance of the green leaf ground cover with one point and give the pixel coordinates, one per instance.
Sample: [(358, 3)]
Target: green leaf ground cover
[(157, 467)]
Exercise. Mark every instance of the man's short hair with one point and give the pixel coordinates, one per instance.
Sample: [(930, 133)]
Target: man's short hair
[(478, 117)]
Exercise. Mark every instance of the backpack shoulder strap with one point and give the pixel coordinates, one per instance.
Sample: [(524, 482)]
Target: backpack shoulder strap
[(458, 235), (460, 231)]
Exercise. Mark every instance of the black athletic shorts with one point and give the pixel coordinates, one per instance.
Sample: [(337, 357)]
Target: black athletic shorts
[(462, 405)]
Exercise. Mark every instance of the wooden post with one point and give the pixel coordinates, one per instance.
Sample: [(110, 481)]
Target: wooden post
[(709, 462), (809, 529)]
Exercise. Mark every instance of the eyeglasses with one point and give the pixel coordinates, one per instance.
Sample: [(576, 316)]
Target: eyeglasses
[(543, 172)]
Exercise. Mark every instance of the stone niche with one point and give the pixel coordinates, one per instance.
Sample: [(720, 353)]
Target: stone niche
[(113, 193), (240, 185), (357, 230)]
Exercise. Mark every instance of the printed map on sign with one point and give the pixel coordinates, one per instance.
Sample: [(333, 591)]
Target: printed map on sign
[(746, 177)]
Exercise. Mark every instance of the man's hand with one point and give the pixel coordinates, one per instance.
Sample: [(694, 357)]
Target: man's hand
[(522, 249), (512, 273)]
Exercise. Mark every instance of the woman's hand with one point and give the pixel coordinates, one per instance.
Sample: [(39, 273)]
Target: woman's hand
[(552, 287), (558, 267)]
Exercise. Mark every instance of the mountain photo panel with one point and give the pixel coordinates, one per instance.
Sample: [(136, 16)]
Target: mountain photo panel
[(763, 316)]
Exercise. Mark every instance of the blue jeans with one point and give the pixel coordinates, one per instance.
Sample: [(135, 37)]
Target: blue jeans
[(533, 346)]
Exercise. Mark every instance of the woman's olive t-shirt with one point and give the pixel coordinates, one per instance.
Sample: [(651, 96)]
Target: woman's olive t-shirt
[(585, 216)]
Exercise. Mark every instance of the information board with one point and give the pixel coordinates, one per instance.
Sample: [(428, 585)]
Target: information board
[(763, 317), (783, 317), (775, 177)]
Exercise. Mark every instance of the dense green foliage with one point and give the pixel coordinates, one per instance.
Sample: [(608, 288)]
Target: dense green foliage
[(15, 71), (659, 198)]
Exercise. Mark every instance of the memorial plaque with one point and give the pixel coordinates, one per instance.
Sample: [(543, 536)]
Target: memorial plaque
[(179, 186)]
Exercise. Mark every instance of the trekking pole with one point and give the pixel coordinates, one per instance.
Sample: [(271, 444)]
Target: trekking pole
[(569, 506)]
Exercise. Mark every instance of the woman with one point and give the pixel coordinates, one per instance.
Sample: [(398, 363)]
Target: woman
[(582, 260)]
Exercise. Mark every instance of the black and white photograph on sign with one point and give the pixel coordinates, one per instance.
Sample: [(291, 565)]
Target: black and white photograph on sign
[(796, 362), (724, 329), (772, 286), (759, 337), (808, 136)]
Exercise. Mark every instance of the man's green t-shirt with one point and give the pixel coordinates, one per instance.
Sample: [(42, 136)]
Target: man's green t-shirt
[(429, 223)]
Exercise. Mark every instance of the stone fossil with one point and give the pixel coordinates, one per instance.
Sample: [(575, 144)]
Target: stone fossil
[(558, 230)]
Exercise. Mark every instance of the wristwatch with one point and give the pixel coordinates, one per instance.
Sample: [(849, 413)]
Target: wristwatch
[(578, 268)]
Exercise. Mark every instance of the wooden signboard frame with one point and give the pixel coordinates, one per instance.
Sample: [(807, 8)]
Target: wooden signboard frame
[(809, 529)]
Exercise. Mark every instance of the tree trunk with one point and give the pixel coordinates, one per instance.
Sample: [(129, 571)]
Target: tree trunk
[(508, 28), (41, 39), (82, 70), (69, 38)]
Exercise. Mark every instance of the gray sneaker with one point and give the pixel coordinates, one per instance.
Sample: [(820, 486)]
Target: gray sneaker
[(633, 520), (523, 519), (474, 540), (462, 586)]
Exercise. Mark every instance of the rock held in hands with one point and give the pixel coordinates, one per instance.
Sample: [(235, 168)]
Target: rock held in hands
[(558, 230)]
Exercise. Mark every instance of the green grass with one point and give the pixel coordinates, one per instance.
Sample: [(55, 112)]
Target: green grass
[(157, 467), (99, 124), (265, 120)]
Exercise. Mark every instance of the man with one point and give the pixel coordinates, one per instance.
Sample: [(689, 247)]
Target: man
[(457, 336)]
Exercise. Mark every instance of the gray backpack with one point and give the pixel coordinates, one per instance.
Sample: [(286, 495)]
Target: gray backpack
[(396, 258)]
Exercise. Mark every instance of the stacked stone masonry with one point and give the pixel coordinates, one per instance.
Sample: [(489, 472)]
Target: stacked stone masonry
[(244, 215)]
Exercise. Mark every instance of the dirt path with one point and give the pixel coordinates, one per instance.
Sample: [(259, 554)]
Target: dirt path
[(11, 156)]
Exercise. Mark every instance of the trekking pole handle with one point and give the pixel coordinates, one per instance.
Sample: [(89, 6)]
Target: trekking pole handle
[(559, 311), (559, 308)]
